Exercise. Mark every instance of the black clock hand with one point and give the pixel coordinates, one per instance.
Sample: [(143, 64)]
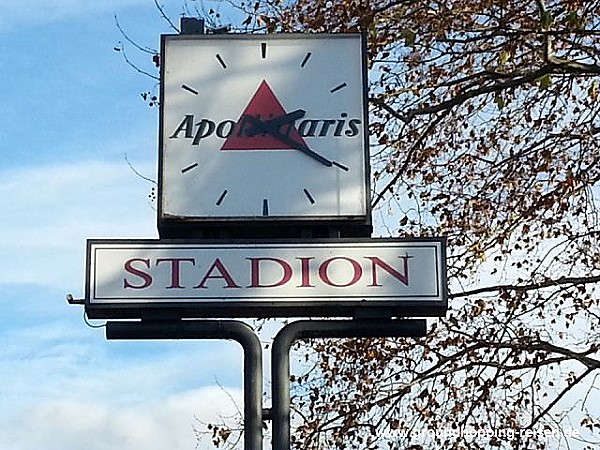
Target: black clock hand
[(268, 127), (276, 123), (285, 119)]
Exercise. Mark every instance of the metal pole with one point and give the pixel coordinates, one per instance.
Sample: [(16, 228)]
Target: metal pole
[(212, 329), (308, 329)]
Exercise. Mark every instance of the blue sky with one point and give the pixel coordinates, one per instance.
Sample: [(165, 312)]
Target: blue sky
[(71, 115)]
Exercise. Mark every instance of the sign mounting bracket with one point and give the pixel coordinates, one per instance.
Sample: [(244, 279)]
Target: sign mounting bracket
[(280, 412)]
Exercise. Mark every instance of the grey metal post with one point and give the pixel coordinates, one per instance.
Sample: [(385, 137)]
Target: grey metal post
[(309, 329), (212, 329)]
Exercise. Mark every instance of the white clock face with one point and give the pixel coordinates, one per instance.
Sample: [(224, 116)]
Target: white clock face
[(263, 126)]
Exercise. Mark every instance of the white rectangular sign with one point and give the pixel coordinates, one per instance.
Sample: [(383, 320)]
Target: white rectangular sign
[(240, 111), (263, 276)]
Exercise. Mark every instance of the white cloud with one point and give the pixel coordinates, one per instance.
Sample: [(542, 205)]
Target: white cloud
[(167, 424), (66, 388), (49, 212)]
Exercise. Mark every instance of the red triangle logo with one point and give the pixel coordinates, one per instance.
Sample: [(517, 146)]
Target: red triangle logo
[(263, 106)]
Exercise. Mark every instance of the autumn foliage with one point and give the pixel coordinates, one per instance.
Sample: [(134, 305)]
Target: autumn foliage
[(485, 125)]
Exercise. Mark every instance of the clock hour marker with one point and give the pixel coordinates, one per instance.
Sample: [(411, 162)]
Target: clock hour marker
[(306, 58), (308, 196), (337, 88), (263, 50), (189, 89), (188, 168), (220, 59), (265, 211), (221, 197)]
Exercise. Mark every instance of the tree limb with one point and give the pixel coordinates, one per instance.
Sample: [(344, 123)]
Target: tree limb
[(527, 287)]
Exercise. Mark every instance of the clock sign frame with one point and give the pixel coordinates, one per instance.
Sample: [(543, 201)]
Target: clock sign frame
[(263, 129)]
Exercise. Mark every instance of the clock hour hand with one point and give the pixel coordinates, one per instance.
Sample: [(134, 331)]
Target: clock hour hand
[(272, 127), (274, 124), (285, 119)]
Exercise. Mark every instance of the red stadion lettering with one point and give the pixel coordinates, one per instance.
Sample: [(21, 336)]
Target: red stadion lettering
[(223, 275), (262, 272), (175, 266), (255, 272), (306, 271), (324, 271), (378, 262), (128, 266)]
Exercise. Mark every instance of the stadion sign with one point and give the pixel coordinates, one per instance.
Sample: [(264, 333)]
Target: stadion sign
[(369, 277)]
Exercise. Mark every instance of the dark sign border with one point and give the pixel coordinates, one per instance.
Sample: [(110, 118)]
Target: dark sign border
[(252, 308)]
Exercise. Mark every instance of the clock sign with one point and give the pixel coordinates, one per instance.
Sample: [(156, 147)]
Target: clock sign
[(263, 128)]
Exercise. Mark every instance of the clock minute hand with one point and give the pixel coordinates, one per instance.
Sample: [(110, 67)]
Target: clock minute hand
[(272, 128)]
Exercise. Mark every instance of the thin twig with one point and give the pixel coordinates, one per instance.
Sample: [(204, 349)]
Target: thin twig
[(161, 10), (133, 169), (148, 50)]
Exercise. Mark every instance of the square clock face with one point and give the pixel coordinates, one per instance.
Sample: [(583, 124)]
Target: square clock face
[(263, 126)]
